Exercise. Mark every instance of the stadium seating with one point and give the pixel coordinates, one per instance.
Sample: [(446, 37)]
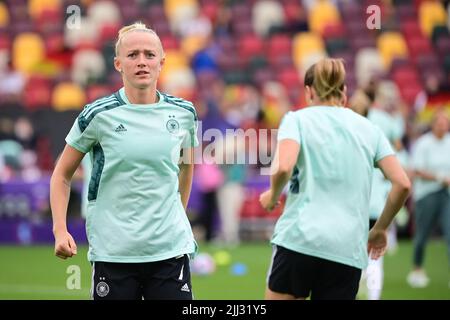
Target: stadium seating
[(431, 13), (391, 45), (88, 66), (266, 15), (23, 44), (240, 42), (305, 44), (322, 14), (38, 7), (68, 96), (4, 15)]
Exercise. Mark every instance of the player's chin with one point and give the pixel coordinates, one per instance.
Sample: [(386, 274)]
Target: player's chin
[(142, 84)]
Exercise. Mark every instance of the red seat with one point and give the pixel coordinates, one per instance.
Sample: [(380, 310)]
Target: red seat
[(249, 46), (334, 31), (5, 41), (405, 74), (410, 28), (252, 208), (210, 9), (108, 32), (409, 92), (280, 43), (418, 45), (289, 78), (95, 92), (54, 44), (37, 94), (169, 42)]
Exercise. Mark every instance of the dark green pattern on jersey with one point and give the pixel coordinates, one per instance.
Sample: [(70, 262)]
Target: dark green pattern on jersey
[(97, 169), (84, 119), (119, 98), (180, 103), (86, 116)]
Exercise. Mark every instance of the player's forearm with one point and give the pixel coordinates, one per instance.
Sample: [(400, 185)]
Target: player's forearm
[(278, 181), (427, 176), (59, 199), (185, 182), (394, 203)]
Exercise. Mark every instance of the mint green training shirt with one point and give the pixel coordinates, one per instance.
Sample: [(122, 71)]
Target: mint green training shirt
[(327, 209), (134, 211), (380, 186)]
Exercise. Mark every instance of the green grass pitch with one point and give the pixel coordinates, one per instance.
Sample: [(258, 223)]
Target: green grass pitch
[(34, 273)]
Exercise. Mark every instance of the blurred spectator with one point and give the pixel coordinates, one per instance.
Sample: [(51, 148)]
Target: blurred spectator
[(24, 133), (12, 83), (431, 193), (376, 113), (231, 194), (210, 178)]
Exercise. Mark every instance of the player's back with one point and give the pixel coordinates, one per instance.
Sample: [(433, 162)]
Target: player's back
[(326, 213)]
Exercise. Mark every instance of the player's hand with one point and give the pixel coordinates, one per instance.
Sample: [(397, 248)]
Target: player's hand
[(65, 246), (267, 201), (447, 182), (377, 244)]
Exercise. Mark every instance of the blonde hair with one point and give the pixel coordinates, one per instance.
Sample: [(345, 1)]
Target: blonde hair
[(327, 77), (137, 26)]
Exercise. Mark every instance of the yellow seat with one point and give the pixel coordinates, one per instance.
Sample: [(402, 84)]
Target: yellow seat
[(4, 15), (68, 96), (175, 59), (178, 11), (36, 7), (323, 13), (171, 6), (192, 44), (431, 14), (28, 50), (305, 44), (391, 45)]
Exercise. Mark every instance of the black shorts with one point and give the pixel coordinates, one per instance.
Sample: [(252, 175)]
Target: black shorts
[(302, 275), (168, 280)]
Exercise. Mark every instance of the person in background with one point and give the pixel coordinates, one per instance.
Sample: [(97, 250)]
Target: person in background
[(360, 103), (431, 165)]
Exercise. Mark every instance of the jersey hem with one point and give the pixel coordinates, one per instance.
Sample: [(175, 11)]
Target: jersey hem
[(324, 256), (141, 259)]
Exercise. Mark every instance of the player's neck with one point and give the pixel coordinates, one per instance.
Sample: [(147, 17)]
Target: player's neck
[(141, 96)]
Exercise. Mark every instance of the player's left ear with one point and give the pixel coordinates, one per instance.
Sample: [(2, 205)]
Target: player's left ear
[(161, 63), (117, 65)]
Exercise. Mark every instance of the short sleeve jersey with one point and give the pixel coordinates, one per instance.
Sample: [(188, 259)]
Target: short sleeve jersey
[(327, 209), (431, 155), (134, 211)]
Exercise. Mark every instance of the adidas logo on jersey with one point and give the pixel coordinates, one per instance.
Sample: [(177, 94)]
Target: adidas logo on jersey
[(185, 288), (120, 128)]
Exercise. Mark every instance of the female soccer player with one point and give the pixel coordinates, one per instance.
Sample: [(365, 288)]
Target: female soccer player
[(138, 233), (322, 239)]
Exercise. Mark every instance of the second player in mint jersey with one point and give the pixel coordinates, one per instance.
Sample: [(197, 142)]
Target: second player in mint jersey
[(139, 236)]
